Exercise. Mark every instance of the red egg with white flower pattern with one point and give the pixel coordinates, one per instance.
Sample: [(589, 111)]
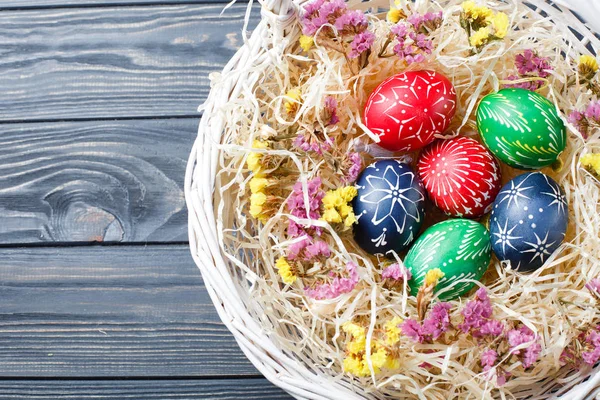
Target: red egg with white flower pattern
[(407, 110), (461, 176)]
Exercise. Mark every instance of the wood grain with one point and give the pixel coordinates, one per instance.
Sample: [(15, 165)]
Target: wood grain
[(110, 311), (94, 181), (37, 4), (219, 389), (150, 61)]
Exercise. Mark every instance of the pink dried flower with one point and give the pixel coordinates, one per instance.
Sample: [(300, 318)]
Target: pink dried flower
[(476, 313), (294, 249), (593, 286), (355, 165), (337, 287), (434, 326), (396, 272), (331, 110), (529, 63), (492, 328), (592, 112), (320, 12), (411, 45), (520, 336), (310, 142), (308, 250), (488, 358), (297, 206), (354, 21), (576, 117), (361, 43), (400, 30), (530, 85), (426, 22)]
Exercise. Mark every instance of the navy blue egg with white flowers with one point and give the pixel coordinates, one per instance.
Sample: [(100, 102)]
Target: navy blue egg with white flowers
[(528, 221), (389, 207)]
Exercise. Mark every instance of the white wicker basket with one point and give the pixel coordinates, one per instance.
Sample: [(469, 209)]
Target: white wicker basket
[(227, 287)]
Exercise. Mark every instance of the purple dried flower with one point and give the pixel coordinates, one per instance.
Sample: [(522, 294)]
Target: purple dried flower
[(575, 117), (426, 22), (396, 272), (434, 326), (416, 20), (337, 287), (530, 65), (297, 206), (476, 313), (400, 30), (520, 336), (492, 328), (361, 43), (593, 111), (488, 358), (320, 12), (355, 165), (530, 85), (354, 21), (331, 110)]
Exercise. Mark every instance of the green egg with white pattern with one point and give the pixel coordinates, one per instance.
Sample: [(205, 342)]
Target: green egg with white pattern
[(522, 128), (460, 248)]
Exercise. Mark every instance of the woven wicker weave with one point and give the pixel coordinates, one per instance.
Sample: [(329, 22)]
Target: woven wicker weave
[(226, 285)]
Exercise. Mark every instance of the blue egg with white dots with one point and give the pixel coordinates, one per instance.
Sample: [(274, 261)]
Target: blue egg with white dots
[(528, 221), (390, 207)]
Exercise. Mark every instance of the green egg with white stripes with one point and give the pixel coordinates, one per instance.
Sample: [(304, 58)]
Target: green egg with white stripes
[(460, 248), (522, 128)]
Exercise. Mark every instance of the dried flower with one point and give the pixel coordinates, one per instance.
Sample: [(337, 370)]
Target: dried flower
[(528, 85), (392, 331), (293, 100), (361, 43), (477, 15), (477, 316), (480, 37), (285, 270), (529, 63), (351, 22), (426, 23), (590, 117), (591, 162), (500, 23), (337, 207), (257, 184), (308, 250), (253, 161), (313, 141), (433, 327), (337, 286), (433, 276), (396, 272), (297, 206), (587, 66), (395, 14), (488, 358), (353, 167), (411, 45), (520, 336), (356, 360), (330, 111), (306, 42)]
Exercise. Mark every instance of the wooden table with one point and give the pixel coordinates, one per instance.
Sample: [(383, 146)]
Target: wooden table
[(99, 295)]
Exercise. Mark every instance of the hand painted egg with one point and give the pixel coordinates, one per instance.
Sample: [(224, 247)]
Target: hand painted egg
[(521, 128), (408, 109), (460, 248), (389, 207), (461, 177), (528, 220)]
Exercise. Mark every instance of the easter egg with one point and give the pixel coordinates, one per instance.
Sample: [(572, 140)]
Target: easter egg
[(522, 128), (528, 220), (389, 207), (460, 248), (461, 177), (408, 109)]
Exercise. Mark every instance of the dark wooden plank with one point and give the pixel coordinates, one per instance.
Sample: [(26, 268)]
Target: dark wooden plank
[(94, 181), (99, 311), (113, 62), (214, 389), (29, 4)]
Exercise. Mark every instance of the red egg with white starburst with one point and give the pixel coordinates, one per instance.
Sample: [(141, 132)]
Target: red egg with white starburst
[(407, 110), (460, 175)]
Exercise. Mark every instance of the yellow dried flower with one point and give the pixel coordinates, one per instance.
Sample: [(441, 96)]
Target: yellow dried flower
[(332, 216), (350, 219), (349, 193), (336, 205), (474, 12), (294, 97), (259, 144), (258, 198), (591, 162), (258, 184), (501, 24), (392, 331), (395, 15), (285, 271), (306, 42), (480, 37), (588, 65), (254, 159), (433, 276)]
